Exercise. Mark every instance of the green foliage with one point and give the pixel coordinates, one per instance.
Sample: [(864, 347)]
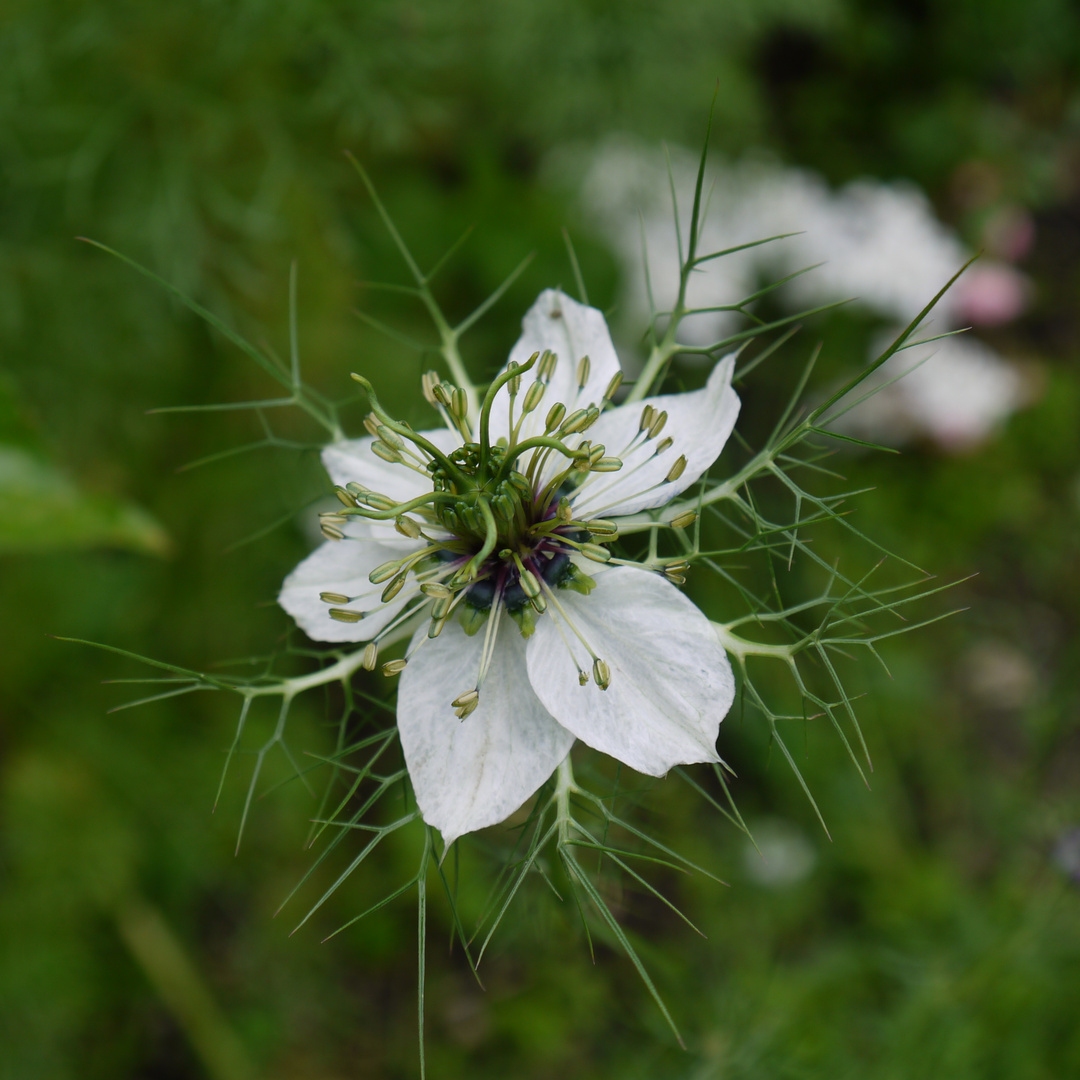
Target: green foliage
[(934, 933)]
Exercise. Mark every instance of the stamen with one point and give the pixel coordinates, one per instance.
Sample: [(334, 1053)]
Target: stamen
[(334, 598), (657, 425), (583, 372), (612, 387), (601, 673), (647, 415), (344, 615), (554, 417), (677, 469), (533, 397), (330, 532), (394, 667), (344, 497), (684, 520), (548, 363), (371, 656)]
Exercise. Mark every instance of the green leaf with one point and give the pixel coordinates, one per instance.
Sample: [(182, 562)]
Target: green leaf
[(42, 508)]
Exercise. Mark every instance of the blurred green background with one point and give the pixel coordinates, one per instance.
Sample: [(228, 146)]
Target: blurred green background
[(937, 934)]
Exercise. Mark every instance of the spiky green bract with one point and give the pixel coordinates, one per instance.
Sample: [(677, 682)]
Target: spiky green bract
[(756, 544)]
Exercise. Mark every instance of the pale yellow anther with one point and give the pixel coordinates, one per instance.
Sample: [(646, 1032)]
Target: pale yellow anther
[(407, 527), (613, 386), (663, 444), (330, 532), (676, 470), (344, 615), (584, 365), (370, 657), (582, 678), (684, 520), (657, 425), (595, 552), (394, 588), (533, 396), (394, 667), (546, 367), (334, 598), (459, 403), (554, 417), (371, 425), (384, 571), (468, 698), (436, 590), (387, 453), (607, 464), (344, 497), (601, 673), (647, 416)]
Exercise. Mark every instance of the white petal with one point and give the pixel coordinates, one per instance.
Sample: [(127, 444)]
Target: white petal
[(671, 682), (353, 460), (342, 566), (699, 423), (571, 331), (475, 772)]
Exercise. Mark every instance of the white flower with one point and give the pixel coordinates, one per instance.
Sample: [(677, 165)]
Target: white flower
[(507, 511)]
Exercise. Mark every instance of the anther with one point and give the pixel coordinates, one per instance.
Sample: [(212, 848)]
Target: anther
[(583, 372), (387, 453), (546, 367), (467, 710), (384, 571), (677, 469), (601, 673), (440, 394), (344, 497), (376, 501), (595, 552), (533, 396), (602, 527), (582, 678), (394, 667), (684, 520), (564, 513), (394, 588), (613, 387), (428, 381), (459, 403), (371, 425), (391, 438), (334, 598), (554, 417), (514, 385), (657, 425), (468, 698), (607, 464), (575, 422), (436, 590), (356, 490), (344, 615), (647, 416), (333, 520), (662, 445), (407, 527), (371, 656), (330, 532)]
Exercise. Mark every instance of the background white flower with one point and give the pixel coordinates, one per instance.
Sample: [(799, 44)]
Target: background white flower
[(879, 244)]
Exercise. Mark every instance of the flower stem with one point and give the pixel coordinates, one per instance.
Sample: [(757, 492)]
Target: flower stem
[(564, 785)]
